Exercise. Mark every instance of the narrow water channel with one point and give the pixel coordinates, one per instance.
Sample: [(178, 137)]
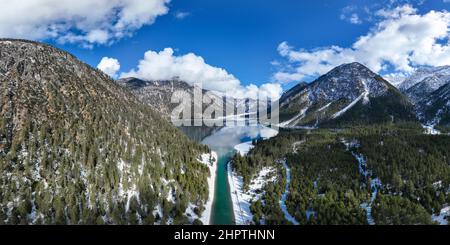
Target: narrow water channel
[(223, 142)]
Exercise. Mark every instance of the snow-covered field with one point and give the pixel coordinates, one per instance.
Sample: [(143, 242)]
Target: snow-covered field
[(241, 199), (441, 218)]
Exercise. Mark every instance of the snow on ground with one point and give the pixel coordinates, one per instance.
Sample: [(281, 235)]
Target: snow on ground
[(429, 129), (288, 216), (443, 217), (350, 143), (375, 185), (206, 159), (350, 106), (158, 211), (297, 117), (366, 92), (325, 107), (295, 145), (241, 199), (133, 192), (244, 148), (190, 213)]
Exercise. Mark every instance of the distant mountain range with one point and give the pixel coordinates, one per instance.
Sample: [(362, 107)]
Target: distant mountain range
[(352, 94), (429, 90), (159, 95), (347, 95)]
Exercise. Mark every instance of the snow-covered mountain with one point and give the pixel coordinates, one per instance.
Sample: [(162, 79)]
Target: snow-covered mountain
[(349, 93), (435, 77), (158, 94), (424, 82), (434, 109), (428, 88)]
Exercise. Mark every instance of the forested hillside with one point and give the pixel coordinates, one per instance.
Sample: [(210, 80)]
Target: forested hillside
[(383, 174), (76, 148)]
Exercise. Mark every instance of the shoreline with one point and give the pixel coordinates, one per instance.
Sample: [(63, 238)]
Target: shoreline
[(238, 210), (206, 214)]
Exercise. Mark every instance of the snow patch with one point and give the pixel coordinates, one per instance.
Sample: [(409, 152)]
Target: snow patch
[(351, 105), (211, 161), (298, 117), (242, 199), (431, 130), (443, 217), (325, 107), (244, 148)]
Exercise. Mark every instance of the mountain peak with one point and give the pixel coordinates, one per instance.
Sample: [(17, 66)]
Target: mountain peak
[(352, 69), (352, 65), (348, 81), (345, 89)]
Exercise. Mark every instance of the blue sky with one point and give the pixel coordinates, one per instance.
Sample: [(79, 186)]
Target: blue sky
[(240, 36), (244, 37)]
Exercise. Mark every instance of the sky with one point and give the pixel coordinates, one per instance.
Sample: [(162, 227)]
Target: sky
[(243, 47)]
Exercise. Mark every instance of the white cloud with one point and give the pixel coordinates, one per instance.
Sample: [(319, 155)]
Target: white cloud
[(181, 15), (350, 14), (83, 21), (109, 66), (164, 65), (401, 40), (397, 12)]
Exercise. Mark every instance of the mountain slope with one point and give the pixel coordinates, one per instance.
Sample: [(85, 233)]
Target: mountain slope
[(348, 94), (429, 89), (435, 77), (435, 108), (159, 94), (76, 148)]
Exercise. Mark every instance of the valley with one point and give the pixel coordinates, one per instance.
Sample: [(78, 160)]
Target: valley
[(78, 147)]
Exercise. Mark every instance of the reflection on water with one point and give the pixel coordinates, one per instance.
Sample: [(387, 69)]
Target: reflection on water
[(224, 140), (198, 134)]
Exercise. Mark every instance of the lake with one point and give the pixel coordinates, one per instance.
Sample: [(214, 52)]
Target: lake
[(223, 142)]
